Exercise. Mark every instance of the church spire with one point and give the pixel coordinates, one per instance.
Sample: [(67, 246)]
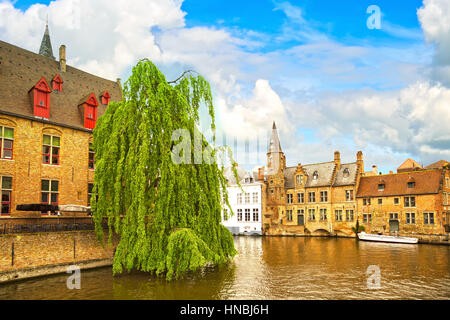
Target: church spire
[(46, 45), (274, 143)]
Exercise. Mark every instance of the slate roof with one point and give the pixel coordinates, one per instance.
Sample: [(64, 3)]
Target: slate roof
[(21, 69), (274, 142), (426, 182), (46, 45), (346, 175), (324, 175), (242, 174)]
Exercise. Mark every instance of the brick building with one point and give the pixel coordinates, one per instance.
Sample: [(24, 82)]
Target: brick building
[(415, 201), (47, 114), (310, 199)]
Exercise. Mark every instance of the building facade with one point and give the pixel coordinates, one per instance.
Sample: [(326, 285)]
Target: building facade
[(311, 199), (48, 111), (414, 202), (245, 202)]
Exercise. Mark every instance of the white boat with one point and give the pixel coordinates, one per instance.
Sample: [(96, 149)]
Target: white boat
[(383, 238)]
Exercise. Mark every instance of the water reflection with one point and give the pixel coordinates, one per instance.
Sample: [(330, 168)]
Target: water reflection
[(273, 268)]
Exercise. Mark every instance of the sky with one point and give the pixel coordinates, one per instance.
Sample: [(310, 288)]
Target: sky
[(314, 67)]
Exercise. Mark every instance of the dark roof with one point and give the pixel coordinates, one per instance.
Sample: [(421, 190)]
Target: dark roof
[(426, 182), (324, 175), (346, 175), (20, 70), (437, 165)]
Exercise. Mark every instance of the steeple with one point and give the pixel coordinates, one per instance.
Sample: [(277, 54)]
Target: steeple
[(46, 45), (274, 143)]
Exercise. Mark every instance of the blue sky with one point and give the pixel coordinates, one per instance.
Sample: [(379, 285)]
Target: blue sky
[(329, 81)]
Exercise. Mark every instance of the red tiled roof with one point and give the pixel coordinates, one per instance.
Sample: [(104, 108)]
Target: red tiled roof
[(426, 182)]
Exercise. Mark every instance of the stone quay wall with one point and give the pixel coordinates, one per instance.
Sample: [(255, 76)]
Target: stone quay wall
[(36, 254)]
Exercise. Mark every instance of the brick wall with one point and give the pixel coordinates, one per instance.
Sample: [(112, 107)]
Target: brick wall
[(49, 249)]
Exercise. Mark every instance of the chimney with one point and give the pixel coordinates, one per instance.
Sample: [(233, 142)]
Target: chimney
[(360, 161), (391, 172), (62, 58), (337, 159), (374, 169)]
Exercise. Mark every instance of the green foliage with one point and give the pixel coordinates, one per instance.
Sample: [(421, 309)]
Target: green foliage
[(167, 214), (358, 229)]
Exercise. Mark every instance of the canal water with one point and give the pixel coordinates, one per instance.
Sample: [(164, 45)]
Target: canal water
[(274, 268)]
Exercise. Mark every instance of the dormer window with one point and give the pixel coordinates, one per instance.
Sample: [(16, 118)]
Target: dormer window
[(57, 83), (89, 109), (315, 175), (381, 187), (346, 173), (41, 99), (411, 184), (299, 179), (105, 97)]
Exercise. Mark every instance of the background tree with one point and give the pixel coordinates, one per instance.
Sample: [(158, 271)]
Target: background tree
[(166, 214)]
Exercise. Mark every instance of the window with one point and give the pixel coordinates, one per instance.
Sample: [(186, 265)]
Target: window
[(255, 197), (49, 191), (299, 179), (247, 214), (447, 182), (380, 201), (6, 142), (255, 215), (239, 198), (6, 195), (396, 201), (393, 216), (410, 202), (323, 214), (312, 214), (411, 184), (57, 83), (349, 215), (338, 215), (289, 215), (428, 218), (410, 218), (300, 217), (367, 218), (247, 198), (91, 156), (315, 175), (105, 97), (349, 195), (323, 196), (300, 197), (90, 187), (312, 196), (366, 202), (51, 149), (289, 198), (381, 187), (346, 173), (239, 214)]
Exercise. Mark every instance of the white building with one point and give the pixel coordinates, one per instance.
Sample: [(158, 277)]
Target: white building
[(245, 203)]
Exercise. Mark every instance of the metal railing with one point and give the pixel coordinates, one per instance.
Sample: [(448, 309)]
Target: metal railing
[(46, 227)]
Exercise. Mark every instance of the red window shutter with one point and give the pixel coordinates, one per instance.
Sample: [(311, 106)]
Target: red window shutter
[(105, 97), (41, 93), (90, 116)]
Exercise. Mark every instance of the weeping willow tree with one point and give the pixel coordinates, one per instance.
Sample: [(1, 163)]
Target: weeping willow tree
[(167, 214)]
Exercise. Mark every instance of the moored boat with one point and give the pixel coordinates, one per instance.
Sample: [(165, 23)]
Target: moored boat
[(383, 238)]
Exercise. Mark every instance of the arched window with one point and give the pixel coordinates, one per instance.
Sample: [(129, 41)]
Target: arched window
[(346, 173)]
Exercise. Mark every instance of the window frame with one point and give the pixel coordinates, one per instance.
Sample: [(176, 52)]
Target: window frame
[(50, 192), (51, 147), (255, 213), (91, 162), (9, 192)]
